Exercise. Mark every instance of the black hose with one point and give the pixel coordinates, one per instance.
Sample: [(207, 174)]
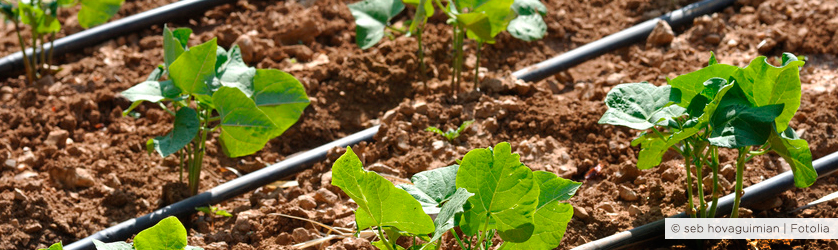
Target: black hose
[(755, 193), (614, 41), (222, 192), (14, 62)]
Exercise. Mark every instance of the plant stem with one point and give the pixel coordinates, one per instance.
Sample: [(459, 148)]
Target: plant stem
[(481, 233), (477, 65), (699, 164), (460, 36), (691, 207), (422, 69), (462, 246), (384, 239), (51, 50), (43, 56), (30, 77), (714, 163), (740, 168), (199, 151)]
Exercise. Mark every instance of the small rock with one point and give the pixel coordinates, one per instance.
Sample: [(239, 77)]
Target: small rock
[(19, 195), (521, 87), (301, 52), (728, 171), (326, 179), (492, 85), (57, 138), (766, 45), (661, 35), (325, 196), (6, 90), (615, 79), (745, 213), (437, 147), (713, 39), (383, 169), (71, 177), (784, 166), (768, 204), (77, 150), (32, 228), (670, 174), (580, 212), (419, 107), (27, 158), (307, 202), (112, 180), (300, 235), (402, 143), (10, 163), (85, 179), (627, 194), (388, 116), (634, 211), (246, 220), (608, 207), (627, 172), (245, 43), (25, 175), (490, 125), (768, 15)]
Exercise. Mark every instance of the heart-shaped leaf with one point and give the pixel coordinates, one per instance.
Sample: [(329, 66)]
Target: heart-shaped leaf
[(527, 27), (371, 17), (796, 152), (551, 216), (194, 70), (633, 105), (235, 73), (185, 128), (244, 127), (280, 96), (168, 234), (95, 12)]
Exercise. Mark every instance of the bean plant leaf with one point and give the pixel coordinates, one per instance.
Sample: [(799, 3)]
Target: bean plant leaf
[(421, 15), (527, 27), (280, 96), (529, 7), (119, 245), (691, 84), (764, 84), (235, 73), (736, 126), (446, 219), (431, 188), (95, 12), (173, 45), (9, 12), (380, 204), (194, 70), (185, 128), (477, 26), (634, 105), (371, 17), (796, 152), (244, 127), (167, 234), (496, 12), (712, 60), (56, 246), (152, 91), (31, 14), (49, 24), (504, 190), (551, 216)]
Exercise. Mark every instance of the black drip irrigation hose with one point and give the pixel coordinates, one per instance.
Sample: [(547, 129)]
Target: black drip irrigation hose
[(14, 62), (222, 192), (614, 41), (755, 193)]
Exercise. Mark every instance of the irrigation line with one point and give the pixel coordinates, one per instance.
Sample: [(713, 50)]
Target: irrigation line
[(759, 192), (614, 41), (223, 192), (14, 62)]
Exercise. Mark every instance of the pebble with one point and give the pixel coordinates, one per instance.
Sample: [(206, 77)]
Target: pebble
[(245, 43), (307, 202), (10, 163), (728, 171), (300, 235), (607, 207), (325, 196), (437, 147), (27, 158), (19, 195), (615, 79), (713, 39), (32, 228), (57, 138), (670, 174), (580, 212), (627, 194), (634, 211), (401, 143), (661, 35)]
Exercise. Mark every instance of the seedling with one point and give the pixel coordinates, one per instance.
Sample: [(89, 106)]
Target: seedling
[(214, 211), (168, 234), (40, 15), (498, 195), (717, 106), (451, 134), (478, 20), (212, 89), (56, 246)]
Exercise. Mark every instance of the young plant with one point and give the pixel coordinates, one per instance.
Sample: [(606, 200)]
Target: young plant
[(211, 89), (40, 16), (56, 246), (717, 106), (168, 234), (214, 211), (496, 195), (451, 134)]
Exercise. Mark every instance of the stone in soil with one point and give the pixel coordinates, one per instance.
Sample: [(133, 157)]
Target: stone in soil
[(661, 35), (57, 138), (325, 196), (71, 177), (627, 194)]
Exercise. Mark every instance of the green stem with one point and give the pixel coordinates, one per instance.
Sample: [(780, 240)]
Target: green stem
[(51, 51), (460, 36), (30, 76), (462, 246), (699, 165), (199, 151), (477, 65), (43, 56), (163, 106), (687, 163), (740, 169), (422, 69), (401, 31), (384, 239), (481, 233), (715, 166)]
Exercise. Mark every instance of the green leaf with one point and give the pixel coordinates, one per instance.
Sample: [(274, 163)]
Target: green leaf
[(32, 15), (49, 24), (156, 74), (371, 17), (527, 27), (446, 219), (691, 84), (237, 74), (182, 35), (421, 15), (56, 246), (185, 128), (172, 46), (280, 96), (551, 216), (119, 245), (152, 91), (764, 84), (634, 104), (529, 7), (463, 127), (435, 130), (194, 70), (712, 60), (9, 11), (796, 152), (738, 126), (477, 26), (380, 204), (167, 234), (221, 58), (95, 12), (431, 188), (504, 190), (244, 127), (498, 13)]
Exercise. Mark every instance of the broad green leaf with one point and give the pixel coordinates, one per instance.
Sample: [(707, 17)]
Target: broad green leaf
[(380, 204), (477, 26), (551, 216), (244, 127), (119, 245), (152, 91), (498, 13), (736, 123), (529, 7), (237, 74), (527, 27), (633, 104), (764, 84), (446, 219), (796, 152), (421, 15), (49, 24), (280, 96), (167, 234), (95, 12), (172, 46), (371, 17), (221, 58), (156, 74), (691, 84), (182, 35), (185, 128), (504, 190), (194, 70), (56, 246), (31, 15), (380, 245), (433, 187), (67, 3)]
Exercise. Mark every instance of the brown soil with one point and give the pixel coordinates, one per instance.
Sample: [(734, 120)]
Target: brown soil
[(67, 191)]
